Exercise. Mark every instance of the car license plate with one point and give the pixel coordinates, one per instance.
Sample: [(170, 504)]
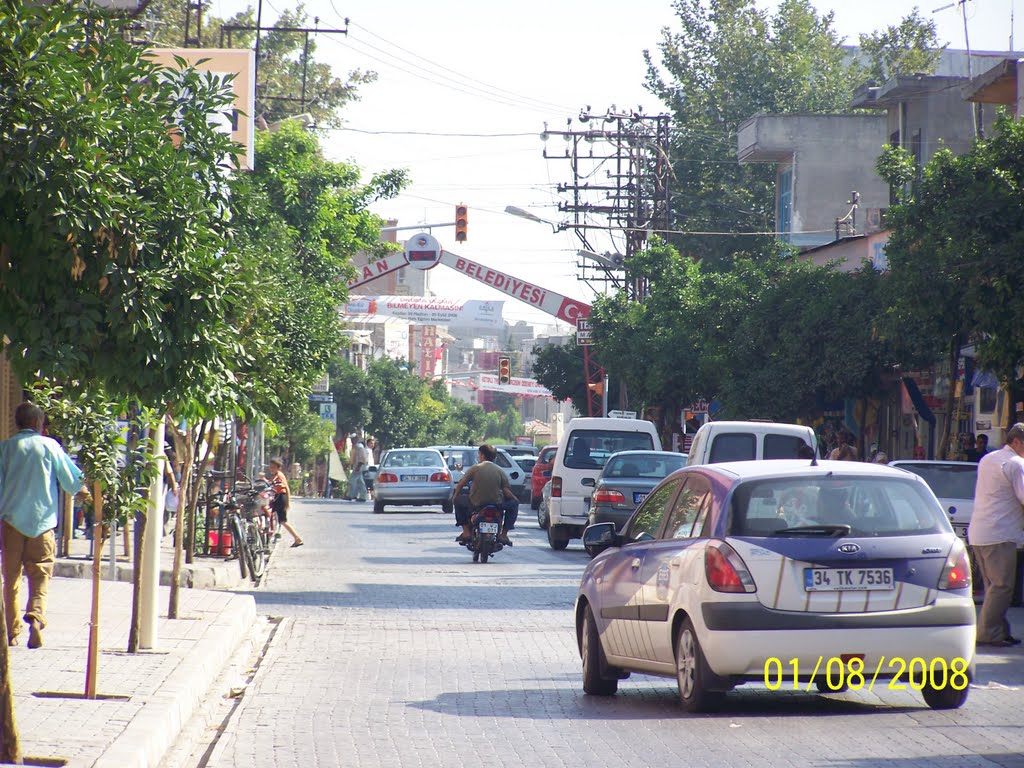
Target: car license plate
[(842, 579), (488, 527), (639, 496), (413, 478), (960, 530)]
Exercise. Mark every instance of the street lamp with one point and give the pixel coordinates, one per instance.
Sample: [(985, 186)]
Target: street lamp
[(609, 260), (524, 214)]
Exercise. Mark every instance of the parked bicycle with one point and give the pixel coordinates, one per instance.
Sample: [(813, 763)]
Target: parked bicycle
[(248, 525)]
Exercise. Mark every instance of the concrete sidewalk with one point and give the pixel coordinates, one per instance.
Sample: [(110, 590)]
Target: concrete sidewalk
[(144, 699)]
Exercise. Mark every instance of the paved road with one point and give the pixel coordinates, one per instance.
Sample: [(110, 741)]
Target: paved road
[(396, 650)]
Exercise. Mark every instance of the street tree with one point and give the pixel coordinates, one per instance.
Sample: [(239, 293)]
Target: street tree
[(286, 60), (908, 47), (955, 273)]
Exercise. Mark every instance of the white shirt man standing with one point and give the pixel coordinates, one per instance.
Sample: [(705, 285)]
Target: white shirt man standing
[(995, 532)]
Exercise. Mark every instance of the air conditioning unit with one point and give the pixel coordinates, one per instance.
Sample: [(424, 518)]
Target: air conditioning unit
[(876, 219)]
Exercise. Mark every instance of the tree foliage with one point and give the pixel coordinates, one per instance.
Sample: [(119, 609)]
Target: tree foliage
[(727, 61), (282, 55), (909, 47), (954, 254)]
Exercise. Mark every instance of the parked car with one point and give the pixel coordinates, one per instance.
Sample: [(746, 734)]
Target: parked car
[(953, 483), (519, 450), (728, 572), (541, 473), (412, 477), (584, 447), (718, 441), (625, 481), (459, 458)]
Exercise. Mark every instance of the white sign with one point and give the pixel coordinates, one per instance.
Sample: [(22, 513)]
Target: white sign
[(517, 387), (583, 330), (329, 412), (621, 414), (422, 251), (429, 311)]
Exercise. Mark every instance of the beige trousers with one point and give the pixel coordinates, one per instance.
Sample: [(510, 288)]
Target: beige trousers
[(35, 556)]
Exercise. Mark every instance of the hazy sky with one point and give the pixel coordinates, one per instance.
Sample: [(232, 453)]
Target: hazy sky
[(502, 70)]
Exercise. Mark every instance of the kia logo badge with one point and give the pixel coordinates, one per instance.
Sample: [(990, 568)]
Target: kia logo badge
[(849, 549)]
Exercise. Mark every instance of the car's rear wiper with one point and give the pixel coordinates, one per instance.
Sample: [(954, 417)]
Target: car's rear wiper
[(814, 530)]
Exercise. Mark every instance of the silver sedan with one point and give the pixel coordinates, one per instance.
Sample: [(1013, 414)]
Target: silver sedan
[(413, 477)]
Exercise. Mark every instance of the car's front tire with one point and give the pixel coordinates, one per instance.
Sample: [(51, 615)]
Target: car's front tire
[(593, 659), (692, 672)]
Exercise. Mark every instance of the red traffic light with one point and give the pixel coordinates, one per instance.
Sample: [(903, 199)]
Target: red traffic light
[(461, 222), (504, 370)]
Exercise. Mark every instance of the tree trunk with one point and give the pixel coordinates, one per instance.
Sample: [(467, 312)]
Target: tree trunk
[(183, 450), (947, 431), (10, 748), (133, 466)]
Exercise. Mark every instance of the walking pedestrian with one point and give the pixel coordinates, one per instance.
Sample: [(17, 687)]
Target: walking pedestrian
[(995, 531), (31, 468), (283, 499), (359, 462)]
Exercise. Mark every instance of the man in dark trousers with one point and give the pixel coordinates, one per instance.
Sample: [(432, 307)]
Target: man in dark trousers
[(31, 469)]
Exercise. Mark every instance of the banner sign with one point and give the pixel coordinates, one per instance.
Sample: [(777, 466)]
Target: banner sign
[(427, 310), (553, 303), (517, 387)]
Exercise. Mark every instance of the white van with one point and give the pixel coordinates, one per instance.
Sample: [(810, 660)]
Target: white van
[(585, 446), (719, 441)]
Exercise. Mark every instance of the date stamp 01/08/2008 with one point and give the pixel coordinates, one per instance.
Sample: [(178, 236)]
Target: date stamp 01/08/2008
[(842, 673)]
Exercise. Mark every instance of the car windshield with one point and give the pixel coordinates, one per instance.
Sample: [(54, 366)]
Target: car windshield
[(526, 462), (412, 459), (869, 506), (947, 481), (590, 448), (653, 466)]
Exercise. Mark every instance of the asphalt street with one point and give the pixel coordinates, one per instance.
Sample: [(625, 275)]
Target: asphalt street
[(389, 647)]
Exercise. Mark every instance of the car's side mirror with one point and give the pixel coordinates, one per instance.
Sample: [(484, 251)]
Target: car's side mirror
[(588, 481), (599, 537)]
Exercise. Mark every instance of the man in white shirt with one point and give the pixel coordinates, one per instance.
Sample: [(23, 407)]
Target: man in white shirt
[(996, 530)]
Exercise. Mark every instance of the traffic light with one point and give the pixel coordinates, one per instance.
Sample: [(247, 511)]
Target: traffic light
[(504, 370), (461, 222)]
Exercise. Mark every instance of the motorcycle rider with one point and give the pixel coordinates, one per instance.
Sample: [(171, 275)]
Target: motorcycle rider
[(490, 486)]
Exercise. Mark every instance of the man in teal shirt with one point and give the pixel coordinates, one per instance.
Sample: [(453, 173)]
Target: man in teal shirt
[(31, 468)]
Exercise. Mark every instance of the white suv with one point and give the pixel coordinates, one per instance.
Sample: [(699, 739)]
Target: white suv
[(718, 441), (585, 446)]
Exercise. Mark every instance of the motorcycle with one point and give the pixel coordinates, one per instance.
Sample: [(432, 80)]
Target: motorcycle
[(485, 524)]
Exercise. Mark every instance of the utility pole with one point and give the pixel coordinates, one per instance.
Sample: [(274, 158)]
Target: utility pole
[(632, 149)]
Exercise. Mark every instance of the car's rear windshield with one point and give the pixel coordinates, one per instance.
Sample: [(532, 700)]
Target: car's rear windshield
[(413, 459), (871, 506), (947, 481), (590, 448), (651, 465)]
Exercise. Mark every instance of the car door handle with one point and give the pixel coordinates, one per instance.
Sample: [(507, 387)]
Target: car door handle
[(636, 563), (675, 562)]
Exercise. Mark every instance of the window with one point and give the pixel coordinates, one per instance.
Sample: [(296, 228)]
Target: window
[(692, 501), (784, 211), (870, 506), (987, 399), (647, 519), (947, 481), (782, 446), (736, 446), (590, 448)]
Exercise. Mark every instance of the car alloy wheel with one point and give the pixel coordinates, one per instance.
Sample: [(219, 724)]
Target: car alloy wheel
[(593, 659), (692, 672)]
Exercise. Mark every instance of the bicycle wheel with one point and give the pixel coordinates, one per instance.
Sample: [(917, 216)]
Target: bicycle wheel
[(256, 549), (238, 542)]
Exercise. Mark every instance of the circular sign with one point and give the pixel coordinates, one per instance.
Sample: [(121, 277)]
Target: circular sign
[(422, 251)]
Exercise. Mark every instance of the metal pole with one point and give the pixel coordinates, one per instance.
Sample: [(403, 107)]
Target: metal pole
[(604, 397)]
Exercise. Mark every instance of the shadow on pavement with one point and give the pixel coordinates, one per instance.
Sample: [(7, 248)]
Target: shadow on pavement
[(426, 598), (1003, 759), (645, 703)]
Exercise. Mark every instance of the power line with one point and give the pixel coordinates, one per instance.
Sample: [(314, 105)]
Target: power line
[(436, 133)]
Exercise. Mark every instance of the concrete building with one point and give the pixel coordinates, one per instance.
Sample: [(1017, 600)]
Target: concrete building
[(820, 160)]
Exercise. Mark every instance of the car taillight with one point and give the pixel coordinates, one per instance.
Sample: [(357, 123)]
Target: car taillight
[(957, 572), (726, 570), (608, 497), (556, 486), (440, 477), (387, 477)]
